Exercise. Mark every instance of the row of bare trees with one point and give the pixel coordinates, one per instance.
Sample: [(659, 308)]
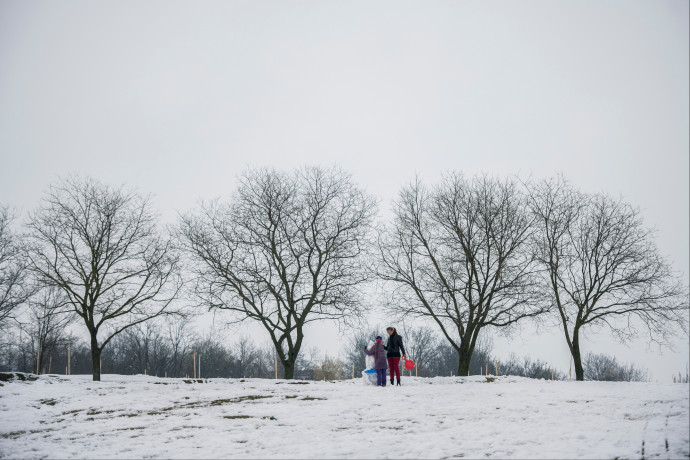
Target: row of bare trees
[(292, 247), (472, 253)]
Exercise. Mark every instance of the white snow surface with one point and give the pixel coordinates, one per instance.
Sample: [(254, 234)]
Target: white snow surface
[(511, 417)]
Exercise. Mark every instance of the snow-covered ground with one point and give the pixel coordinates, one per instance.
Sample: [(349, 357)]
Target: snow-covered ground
[(141, 416)]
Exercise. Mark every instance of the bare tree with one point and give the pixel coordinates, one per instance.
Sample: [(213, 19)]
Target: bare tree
[(217, 359), (459, 255), (420, 344), (101, 247), (13, 282), (45, 322), (246, 357), (330, 369), (286, 251), (527, 367), (607, 368), (602, 268), (145, 349), (180, 338)]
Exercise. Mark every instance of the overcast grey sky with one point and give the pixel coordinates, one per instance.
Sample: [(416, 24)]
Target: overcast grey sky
[(175, 98)]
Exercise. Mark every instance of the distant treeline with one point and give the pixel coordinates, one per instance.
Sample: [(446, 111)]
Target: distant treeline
[(173, 349)]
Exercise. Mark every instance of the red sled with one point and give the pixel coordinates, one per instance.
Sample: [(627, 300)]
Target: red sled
[(409, 364)]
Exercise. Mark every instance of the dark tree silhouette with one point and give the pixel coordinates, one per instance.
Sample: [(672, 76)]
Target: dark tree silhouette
[(101, 247), (45, 320), (459, 254), (287, 250), (602, 268)]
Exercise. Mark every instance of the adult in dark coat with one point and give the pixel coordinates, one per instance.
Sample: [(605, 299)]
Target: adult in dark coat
[(394, 348)]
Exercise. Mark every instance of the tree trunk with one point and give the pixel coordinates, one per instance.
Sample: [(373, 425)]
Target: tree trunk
[(289, 359), (289, 370), (577, 359), (465, 355), (95, 359)]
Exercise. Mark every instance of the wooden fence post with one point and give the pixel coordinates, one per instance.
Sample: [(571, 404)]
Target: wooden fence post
[(199, 364), (275, 364), (69, 358), (50, 363), (194, 366), (353, 369)]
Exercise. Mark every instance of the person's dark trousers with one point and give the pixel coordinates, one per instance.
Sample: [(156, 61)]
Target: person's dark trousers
[(381, 377), (394, 366)]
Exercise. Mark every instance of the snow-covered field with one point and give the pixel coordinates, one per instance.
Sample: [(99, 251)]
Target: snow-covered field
[(141, 416)]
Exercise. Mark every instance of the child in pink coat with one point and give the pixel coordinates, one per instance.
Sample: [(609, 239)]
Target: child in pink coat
[(380, 363)]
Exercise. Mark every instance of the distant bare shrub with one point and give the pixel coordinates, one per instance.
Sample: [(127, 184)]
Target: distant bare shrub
[(526, 367), (607, 368), (329, 369)]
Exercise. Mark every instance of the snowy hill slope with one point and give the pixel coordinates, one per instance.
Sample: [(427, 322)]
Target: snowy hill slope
[(141, 416)]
